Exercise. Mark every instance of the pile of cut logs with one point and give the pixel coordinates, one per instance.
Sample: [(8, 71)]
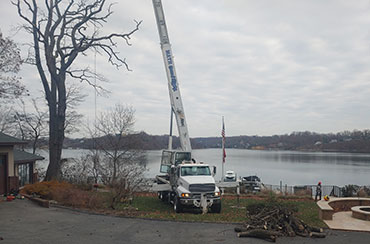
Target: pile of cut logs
[(270, 221)]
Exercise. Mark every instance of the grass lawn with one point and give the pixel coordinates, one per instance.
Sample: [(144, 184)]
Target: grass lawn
[(151, 207)]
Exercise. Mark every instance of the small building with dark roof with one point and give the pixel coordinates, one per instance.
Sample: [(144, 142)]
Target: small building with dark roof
[(17, 168)]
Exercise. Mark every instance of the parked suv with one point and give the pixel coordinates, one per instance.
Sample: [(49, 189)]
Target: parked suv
[(252, 183)]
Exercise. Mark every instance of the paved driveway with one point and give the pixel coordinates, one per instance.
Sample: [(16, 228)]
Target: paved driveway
[(22, 221)]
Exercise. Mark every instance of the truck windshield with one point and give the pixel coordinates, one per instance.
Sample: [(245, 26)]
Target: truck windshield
[(195, 170)]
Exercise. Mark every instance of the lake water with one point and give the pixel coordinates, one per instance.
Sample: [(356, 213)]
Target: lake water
[(290, 167)]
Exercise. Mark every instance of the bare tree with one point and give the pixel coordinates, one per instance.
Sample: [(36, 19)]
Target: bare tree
[(115, 160), (73, 118), (121, 165), (6, 119), (32, 125), (10, 63), (82, 170), (112, 130), (129, 180), (78, 170), (62, 31)]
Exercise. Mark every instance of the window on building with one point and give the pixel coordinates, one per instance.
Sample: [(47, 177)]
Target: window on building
[(24, 174)]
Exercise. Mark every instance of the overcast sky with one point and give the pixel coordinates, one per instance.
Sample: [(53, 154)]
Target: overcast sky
[(269, 67)]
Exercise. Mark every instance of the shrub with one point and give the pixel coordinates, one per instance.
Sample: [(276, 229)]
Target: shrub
[(350, 190), (66, 194), (44, 189), (78, 198), (363, 192)]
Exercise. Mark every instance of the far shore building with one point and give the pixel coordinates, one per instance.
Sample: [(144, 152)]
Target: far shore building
[(17, 168)]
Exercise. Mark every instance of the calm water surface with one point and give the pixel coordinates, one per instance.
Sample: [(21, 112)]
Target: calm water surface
[(290, 167)]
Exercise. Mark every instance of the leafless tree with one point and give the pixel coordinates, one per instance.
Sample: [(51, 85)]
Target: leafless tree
[(62, 31), (77, 170), (112, 130), (115, 160), (6, 119), (32, 125), (73, 118), (10, 63), (82, 170), (121, 165), (129, 180)]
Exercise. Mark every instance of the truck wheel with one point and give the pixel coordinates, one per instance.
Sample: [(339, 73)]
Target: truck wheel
[(163, 196), (216, 208), (177, 206)]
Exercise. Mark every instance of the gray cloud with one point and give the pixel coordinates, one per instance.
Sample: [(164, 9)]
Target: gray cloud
[(269, 67)]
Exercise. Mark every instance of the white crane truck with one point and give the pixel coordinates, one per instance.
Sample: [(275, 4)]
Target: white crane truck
[(185, 183)]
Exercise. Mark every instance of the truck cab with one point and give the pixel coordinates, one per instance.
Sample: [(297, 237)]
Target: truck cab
[(172, 157), (192, 184)]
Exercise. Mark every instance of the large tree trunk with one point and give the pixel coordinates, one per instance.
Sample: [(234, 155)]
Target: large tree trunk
[(56, 132), (56, 140)]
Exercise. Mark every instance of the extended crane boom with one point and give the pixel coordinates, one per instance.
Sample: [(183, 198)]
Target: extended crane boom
[(186, 182), (173, 85)]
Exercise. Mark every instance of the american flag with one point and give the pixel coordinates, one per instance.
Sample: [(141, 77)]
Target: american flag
[(223, 141)]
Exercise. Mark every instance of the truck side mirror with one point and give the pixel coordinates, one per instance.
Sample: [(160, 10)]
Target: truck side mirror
[(214, 170), (173, 169)]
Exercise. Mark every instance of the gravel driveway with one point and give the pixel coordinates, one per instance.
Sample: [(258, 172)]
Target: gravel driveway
[(22, 221)]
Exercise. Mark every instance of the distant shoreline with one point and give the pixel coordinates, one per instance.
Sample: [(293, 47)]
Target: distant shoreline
[(343, 142), (268, 149)]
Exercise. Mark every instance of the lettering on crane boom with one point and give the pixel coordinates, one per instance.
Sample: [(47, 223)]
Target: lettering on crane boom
[(172, 71)]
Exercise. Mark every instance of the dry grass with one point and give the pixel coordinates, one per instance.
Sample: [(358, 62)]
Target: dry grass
[(147, 205), (67, 194)]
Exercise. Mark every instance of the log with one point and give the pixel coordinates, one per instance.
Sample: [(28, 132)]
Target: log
[(289, 230), (261, 234), (316, 229), (243, 229), (296, 224), (317, 235), (276, 233), (302, 234), (240, 229), (278, 219)]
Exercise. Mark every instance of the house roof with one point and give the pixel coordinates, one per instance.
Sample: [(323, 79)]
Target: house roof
[(9, 140), (24, 157)]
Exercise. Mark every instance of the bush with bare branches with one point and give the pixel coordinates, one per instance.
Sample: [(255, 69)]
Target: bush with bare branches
[(115, 160)]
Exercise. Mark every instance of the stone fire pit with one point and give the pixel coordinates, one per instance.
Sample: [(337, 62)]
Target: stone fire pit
[(361, 212), (337, 214)]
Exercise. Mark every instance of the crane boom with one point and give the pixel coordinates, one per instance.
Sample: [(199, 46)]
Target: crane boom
[(173, 85)]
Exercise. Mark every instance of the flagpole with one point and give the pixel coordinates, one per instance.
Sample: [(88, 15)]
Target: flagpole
[(223, 149)]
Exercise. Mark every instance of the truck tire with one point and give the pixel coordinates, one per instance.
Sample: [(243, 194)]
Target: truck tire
[(216, 208), (177, 206), (163, 196)]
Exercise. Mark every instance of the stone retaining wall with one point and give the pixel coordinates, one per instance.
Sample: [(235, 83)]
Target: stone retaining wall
[(328, 208), (346, 205)]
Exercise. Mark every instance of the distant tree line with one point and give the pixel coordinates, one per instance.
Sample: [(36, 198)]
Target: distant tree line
[(346, 141)]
